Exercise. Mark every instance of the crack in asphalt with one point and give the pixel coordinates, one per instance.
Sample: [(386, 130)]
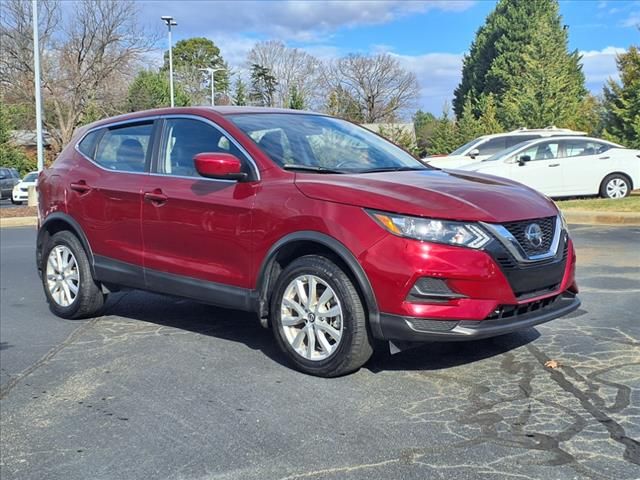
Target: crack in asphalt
[(616, 432)]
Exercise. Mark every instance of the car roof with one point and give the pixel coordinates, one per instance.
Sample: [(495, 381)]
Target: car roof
[(543, 132)]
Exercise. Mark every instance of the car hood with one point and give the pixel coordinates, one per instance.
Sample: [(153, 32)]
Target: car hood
[(450, 161), (446, 194)]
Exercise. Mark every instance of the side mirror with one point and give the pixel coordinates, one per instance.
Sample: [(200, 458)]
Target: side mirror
[(523, 160), (224, 166), (474, 153)]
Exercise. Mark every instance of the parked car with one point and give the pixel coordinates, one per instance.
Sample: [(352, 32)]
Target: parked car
[(568, 166), (333, 236), (20, 191), (8, 178), (487, 145)]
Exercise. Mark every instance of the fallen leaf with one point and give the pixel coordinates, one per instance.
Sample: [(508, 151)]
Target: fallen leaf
[(551, 364)]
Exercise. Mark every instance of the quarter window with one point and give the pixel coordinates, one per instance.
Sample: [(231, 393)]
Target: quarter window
[(88, 144), (125, 148), (184, 138)]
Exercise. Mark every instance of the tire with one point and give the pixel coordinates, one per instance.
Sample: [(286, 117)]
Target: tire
[(326, 357), (88, 299), (615, 186), (16, 202)]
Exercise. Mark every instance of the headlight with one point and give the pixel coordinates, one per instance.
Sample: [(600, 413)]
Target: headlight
[(438, 231)]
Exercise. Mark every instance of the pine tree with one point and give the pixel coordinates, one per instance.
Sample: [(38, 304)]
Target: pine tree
[(444, 138), (263, 86), (520, 55), (488, 121), (468, 127), (296, 100), (622, 101), (240, 97), (151, 90)]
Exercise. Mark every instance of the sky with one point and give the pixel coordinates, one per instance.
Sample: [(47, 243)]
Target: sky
[(429, 38)]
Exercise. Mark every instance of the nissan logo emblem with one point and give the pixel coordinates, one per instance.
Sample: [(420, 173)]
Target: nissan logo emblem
[(533, 234)]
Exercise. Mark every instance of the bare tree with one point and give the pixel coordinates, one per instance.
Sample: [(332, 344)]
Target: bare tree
[(381, 88), (86, 66), (293, 69)]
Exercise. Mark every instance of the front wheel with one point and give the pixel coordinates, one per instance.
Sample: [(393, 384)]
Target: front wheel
[(318, 318), (66, 276), (615, 186)]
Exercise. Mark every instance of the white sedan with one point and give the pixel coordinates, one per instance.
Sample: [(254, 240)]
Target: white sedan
[(20, 191), (567, 166)]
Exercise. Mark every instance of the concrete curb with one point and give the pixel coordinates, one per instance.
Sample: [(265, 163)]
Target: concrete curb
[(18, 222), (594, 217)]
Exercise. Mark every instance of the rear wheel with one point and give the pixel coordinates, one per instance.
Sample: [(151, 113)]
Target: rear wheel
[(318, 318), (66, 276), (615, 186)]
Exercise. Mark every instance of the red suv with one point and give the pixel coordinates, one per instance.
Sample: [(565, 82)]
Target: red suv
[(332, 235)]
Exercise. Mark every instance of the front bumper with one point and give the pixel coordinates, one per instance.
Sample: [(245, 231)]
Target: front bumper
[(412, 329)]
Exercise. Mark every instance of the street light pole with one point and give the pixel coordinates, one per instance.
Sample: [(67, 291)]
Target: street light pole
[(212, 71), (170, 22), (36, 70)]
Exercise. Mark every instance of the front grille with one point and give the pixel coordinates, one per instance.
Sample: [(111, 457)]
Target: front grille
[(510, 311), (517, 229)]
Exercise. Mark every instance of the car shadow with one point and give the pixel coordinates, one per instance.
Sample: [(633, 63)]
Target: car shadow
[(243, 327)]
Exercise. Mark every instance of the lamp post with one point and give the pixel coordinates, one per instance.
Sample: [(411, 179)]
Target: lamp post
[(36, 72), (170, 22), (212, 71)]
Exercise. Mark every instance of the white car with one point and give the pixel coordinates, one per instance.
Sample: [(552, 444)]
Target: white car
[(20, 191), (488, 145), (567, 166)]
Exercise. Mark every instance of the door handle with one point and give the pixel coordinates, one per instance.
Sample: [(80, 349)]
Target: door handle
[(554, 165), (604, 158), (81, 187), (156, 197)]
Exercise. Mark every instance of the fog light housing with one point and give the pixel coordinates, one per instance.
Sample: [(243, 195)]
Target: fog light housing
[(430, 289)]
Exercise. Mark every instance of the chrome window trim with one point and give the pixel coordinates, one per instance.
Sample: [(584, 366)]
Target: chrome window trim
[(153, 118), (512, 245)]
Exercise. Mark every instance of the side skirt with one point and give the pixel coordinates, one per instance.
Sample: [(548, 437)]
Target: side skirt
[(125, 274)]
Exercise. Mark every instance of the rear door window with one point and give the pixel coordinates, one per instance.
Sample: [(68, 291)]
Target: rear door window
[(511, 141), (541, 151), (125, 148)]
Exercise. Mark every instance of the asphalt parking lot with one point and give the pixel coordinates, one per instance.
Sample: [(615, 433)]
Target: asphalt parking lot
[(163, 388)]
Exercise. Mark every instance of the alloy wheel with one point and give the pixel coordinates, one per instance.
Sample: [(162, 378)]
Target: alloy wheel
[(63, 275), (617, 188), (311, 317)]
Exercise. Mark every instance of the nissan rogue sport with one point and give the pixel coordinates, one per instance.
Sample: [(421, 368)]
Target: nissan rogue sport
[(335, 237)]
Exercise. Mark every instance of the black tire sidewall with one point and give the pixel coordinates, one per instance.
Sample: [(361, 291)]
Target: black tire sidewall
[(70, 241), (608, 178), (335, 278)]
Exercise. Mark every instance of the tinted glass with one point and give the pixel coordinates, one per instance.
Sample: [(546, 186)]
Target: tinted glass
[(315, 141), (125, 148), (467, 146), (4, 172), (184, 138), (580, 148), (31, 177), (88, 144), (515, 140), (492, 146)]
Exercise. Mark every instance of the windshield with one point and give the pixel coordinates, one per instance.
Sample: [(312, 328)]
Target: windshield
[(503, 154), (30, 177), (317, 143), (461, 150)]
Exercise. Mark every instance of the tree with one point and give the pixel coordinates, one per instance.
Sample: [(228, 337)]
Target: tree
[(240, 97), (86, 66), (381, 88), (424, 124), (341, 104), (290, 67), (520, 55), (622, 101), (263, 86), (151, 90), (10, 155), (444, 138), (189, 56), (296, 100)]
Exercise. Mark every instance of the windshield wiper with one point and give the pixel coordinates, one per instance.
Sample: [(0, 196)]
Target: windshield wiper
[(309, 168), (393, 169)]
